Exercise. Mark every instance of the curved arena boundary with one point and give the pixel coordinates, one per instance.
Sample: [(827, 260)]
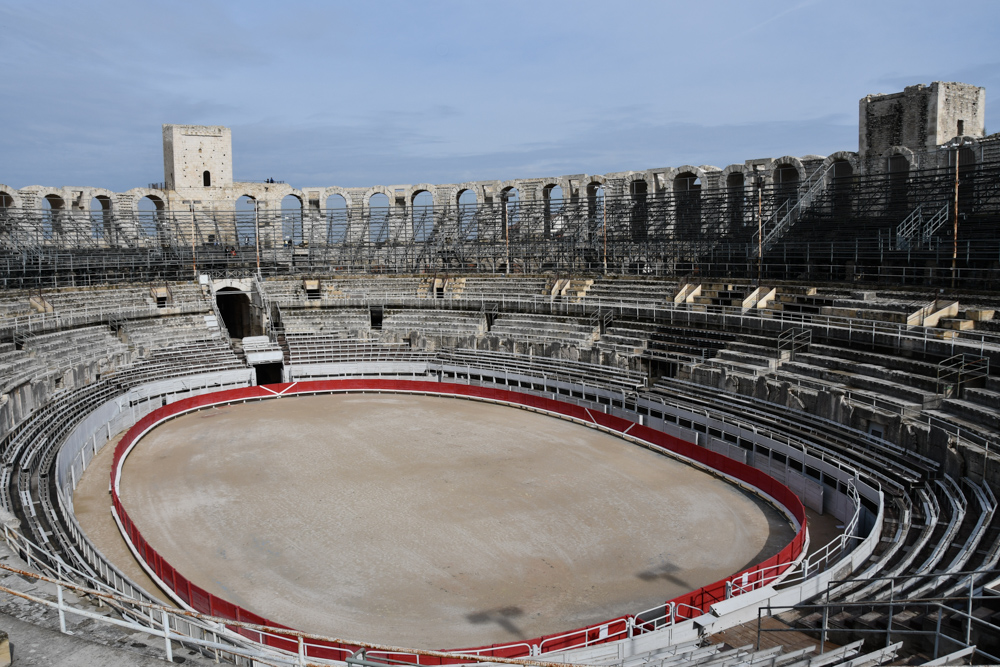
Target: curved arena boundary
[(686, 606)]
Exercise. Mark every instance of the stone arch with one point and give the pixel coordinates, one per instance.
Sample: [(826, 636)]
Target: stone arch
[(698, 173), (374, 190), (735, 169), (476, 188), (337, 190), (633, 176), (685, 186), (911, 158), (414, 190), (788, 161), (735, 181), (158, 197), (842, 156), (9, 198), (461, 189), (510, 210)]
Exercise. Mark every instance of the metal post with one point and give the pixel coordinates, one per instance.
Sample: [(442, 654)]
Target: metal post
[(256, 232), (760, 228), (888, 627), (968, 620), (166, 635), (194, 261), (302, 651), (605, 226), (937, 632), (62, 613), (954, 241)]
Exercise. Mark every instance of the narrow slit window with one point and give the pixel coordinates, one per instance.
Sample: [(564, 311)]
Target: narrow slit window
[(206, 179)]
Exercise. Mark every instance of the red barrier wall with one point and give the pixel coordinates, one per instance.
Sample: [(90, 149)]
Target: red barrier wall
[(701, 599)]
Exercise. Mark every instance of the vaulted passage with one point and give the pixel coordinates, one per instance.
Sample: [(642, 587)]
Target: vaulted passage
[(234, 306)]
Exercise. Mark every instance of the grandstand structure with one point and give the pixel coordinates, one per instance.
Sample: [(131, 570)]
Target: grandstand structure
[(819, 329)]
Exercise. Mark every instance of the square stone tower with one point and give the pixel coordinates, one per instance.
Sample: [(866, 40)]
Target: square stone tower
[(197, 157), (921, 117)]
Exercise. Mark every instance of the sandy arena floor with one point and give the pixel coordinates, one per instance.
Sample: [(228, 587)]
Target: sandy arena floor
[(427, 521)]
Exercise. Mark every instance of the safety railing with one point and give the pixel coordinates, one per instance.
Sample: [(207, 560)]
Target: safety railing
[(189, 594)]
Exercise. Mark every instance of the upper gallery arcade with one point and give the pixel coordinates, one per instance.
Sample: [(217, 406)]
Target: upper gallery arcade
[(897, 133)]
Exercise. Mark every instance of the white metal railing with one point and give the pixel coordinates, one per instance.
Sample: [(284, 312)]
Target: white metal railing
[(685, 314), (585, 639), (913, 232)]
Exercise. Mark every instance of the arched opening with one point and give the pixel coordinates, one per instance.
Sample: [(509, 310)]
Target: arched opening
[(966, 177), (247, 221), (234, 306), (378, 218), (786, 185), (638, 191), (206, 178), (52, 207), (552, 199), (510, 211), (841, 185), (291, 221), (150, 210), (336, 218), (6, 200), (687, 195), (468, 214), (736, 200), (595, 209), (422, 215), (100, 216), (899, 176)]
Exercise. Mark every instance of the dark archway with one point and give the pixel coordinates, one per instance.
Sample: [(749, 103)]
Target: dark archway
[(510, 200), (736, 199), (638, 190), (786, 185), (552, 198), (101, 224), (234, 306), (595, 209), (150, 211), (899, 176), (422, 215), (843, 180), (687, 195), (378, 218)]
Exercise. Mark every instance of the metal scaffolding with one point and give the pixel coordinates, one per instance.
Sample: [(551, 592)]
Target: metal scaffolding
[(852, 228)]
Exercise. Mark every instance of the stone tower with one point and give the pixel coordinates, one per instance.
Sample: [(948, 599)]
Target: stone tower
[(920, 118), (197, 157)]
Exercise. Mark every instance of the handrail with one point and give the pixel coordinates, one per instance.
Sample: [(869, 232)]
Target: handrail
[(811, 187)]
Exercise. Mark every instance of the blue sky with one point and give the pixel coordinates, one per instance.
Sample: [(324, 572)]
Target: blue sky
[(364, 93)]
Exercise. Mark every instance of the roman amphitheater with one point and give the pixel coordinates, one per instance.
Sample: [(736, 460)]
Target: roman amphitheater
[(680, 416)]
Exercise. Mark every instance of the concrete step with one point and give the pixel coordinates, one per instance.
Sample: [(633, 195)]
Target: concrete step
[(984, 397), (973, 412)]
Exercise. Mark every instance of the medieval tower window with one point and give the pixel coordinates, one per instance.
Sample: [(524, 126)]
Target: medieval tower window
[(206, 179), (961, 128)]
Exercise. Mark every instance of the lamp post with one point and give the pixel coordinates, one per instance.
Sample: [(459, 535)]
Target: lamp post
[(256, 232), (759, 185), (194, 257), (957, 144)]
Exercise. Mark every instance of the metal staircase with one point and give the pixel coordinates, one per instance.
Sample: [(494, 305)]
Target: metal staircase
[(789, 212), (915, 231)]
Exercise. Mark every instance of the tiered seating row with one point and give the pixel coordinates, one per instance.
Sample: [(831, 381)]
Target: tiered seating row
[(543, 328), (342, 322)]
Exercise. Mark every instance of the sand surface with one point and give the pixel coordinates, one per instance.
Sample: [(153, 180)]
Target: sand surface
[(432, 522)]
